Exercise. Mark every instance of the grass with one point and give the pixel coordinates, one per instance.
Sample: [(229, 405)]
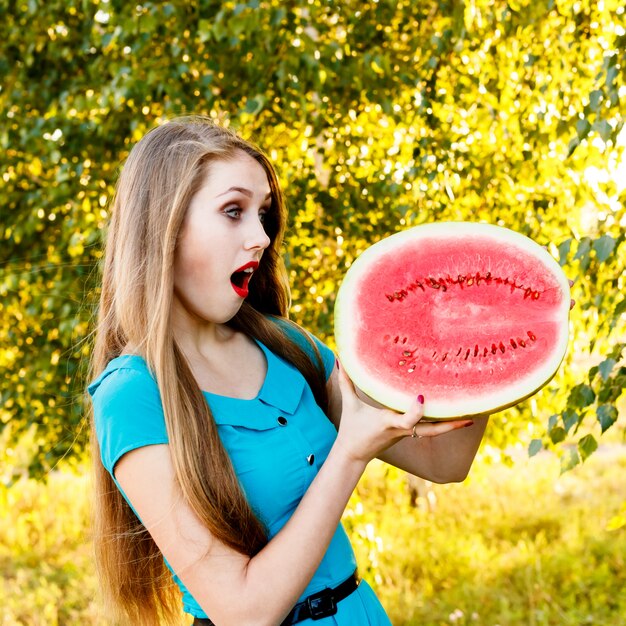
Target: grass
[(510, 546)]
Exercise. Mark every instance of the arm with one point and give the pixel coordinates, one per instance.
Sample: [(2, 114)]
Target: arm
[(443, 452), (232, 588)]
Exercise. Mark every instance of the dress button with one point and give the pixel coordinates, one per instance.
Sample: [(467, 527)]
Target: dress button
[(282, 420), (310, 459)]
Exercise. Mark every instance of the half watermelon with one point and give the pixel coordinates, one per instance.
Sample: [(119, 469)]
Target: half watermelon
[(473, 316)]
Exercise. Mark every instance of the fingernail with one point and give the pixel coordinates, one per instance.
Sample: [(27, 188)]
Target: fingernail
[(420, 399)]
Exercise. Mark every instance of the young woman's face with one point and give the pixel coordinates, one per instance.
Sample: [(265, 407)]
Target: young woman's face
[(222, 240)]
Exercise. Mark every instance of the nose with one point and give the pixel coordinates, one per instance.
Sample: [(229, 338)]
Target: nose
[(257, 238)]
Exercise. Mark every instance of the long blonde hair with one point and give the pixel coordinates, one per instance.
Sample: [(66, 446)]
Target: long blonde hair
[(161, 175)]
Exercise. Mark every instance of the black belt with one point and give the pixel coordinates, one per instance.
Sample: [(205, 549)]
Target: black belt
[(316, 606)]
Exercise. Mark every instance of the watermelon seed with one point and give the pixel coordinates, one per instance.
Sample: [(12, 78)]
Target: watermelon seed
[(403, 362), (493, 348), (404, 340), (459, 352), (485, 352), (531, 335), (407, 353), (521, 342), (502, 348), (467, 354), (444, 356), (470, 281), (476, 350), (396, 339), (434, 354), (411, 369), (513, 343)]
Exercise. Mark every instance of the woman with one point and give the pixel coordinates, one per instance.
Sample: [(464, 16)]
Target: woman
[(229, 432)]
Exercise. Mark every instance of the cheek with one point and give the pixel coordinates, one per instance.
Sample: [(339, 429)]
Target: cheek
[(197, 260), (188, 261)]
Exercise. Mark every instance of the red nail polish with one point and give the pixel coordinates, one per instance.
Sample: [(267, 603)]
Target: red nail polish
[(420, 399)]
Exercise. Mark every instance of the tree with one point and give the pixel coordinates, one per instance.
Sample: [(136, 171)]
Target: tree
[(379, 115)]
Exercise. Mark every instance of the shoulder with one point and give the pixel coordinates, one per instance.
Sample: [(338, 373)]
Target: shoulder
[(127, 409), (123, 377)]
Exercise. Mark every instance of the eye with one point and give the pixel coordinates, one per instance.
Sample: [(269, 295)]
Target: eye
[(263, 214), (233, 212)]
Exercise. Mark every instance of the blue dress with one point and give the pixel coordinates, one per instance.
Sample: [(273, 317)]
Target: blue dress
[(277, 443)]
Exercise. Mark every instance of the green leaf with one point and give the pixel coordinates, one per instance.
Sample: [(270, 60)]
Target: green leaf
[(582, 128), (595, 97), (618, 311), (603, 247), (610, 76), (552, 421), (607, 416), (569, 460), (570, 418), (254, 105), (573, 144), (605, 368), (604, 129), (535, 446), (278, 16), (584, 246), (557, 434), (564, 248), (581, 396), (587, 446)]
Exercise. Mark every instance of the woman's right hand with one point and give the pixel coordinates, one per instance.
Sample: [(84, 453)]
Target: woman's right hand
[(365, 431)]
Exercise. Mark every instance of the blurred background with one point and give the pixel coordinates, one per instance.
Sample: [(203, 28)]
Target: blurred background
[(379, 115)]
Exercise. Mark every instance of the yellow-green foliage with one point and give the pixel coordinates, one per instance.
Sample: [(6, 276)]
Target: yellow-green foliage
[(379, 115), (45, 557), (510, 546)]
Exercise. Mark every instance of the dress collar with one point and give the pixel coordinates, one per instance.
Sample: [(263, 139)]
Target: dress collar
[(281, 389)]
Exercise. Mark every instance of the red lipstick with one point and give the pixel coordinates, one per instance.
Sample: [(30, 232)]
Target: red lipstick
[(240, 278)]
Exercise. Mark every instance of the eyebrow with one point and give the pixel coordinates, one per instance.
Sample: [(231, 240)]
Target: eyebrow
[(244, 191)]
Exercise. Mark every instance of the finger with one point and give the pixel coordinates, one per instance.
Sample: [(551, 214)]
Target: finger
[(433, 429), (413, 416), (345, 384)]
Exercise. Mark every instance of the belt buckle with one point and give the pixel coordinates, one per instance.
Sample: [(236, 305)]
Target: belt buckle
[(322, 604)]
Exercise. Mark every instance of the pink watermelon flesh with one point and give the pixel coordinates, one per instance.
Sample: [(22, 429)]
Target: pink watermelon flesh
[(457, 318)]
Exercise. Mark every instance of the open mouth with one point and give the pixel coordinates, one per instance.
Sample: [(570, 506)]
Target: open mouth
[(240, 278)]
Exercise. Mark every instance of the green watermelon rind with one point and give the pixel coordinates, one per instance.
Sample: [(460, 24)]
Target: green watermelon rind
[(346, 317)]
